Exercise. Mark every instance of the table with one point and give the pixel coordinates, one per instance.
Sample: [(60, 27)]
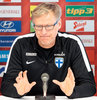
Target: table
[(57, 98)]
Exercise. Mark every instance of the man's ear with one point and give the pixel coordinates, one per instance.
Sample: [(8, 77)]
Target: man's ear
[(59, 23)]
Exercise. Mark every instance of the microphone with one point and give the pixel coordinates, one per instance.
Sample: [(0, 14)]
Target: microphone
[(45, 78)]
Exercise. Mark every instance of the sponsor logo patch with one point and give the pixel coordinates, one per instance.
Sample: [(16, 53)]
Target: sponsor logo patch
[(10, 26), (31, 54), (6, 41), (10, 11), (88, 40), (80, 11), (79, 25), (4, 55), (29, 62), (62, 54)]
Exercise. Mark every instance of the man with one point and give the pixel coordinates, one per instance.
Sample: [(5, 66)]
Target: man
[(62, 56)]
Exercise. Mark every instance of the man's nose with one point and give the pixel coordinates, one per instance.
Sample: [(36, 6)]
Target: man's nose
[(43, 30)]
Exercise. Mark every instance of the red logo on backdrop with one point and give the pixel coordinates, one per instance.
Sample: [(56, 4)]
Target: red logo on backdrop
[(79, 26)]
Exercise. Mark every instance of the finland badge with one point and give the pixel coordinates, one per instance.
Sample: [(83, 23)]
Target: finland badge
[(59, 61)]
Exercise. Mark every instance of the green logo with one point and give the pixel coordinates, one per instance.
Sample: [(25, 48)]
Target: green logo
[(80, 11), (31, 27)]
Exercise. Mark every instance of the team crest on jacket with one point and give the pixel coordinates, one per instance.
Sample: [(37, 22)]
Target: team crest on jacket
[(59, 61)]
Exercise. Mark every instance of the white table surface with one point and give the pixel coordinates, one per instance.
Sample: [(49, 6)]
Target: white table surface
[(57, 98)]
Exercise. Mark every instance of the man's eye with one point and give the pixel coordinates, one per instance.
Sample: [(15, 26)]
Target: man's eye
[(38, 26), (48, 26)]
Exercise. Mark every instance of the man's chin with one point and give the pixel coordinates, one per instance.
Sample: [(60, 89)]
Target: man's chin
[(45, 44)]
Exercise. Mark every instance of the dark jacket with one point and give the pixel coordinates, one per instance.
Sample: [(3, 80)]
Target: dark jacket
[(68, 52)]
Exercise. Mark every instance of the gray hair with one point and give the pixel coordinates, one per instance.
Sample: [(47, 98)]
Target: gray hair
[(45, 8)]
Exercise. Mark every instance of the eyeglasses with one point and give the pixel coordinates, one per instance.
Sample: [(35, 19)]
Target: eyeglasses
[(47, 27)]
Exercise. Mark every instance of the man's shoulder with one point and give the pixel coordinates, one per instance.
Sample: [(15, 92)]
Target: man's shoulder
[(24, 38), (68, 36)]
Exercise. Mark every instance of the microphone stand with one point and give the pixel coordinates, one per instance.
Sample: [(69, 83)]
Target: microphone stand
[(45, 78)]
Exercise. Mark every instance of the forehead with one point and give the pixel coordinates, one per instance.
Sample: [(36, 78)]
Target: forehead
[(45, 19)]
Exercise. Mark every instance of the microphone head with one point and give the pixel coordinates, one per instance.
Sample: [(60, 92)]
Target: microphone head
[(44, 77)]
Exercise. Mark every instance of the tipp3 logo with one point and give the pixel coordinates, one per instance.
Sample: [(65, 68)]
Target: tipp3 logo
[(80, 11)]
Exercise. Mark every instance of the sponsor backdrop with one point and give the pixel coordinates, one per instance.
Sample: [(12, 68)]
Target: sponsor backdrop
[(78, 17)]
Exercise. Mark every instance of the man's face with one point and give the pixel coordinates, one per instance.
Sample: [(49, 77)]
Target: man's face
[(46, 38)]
